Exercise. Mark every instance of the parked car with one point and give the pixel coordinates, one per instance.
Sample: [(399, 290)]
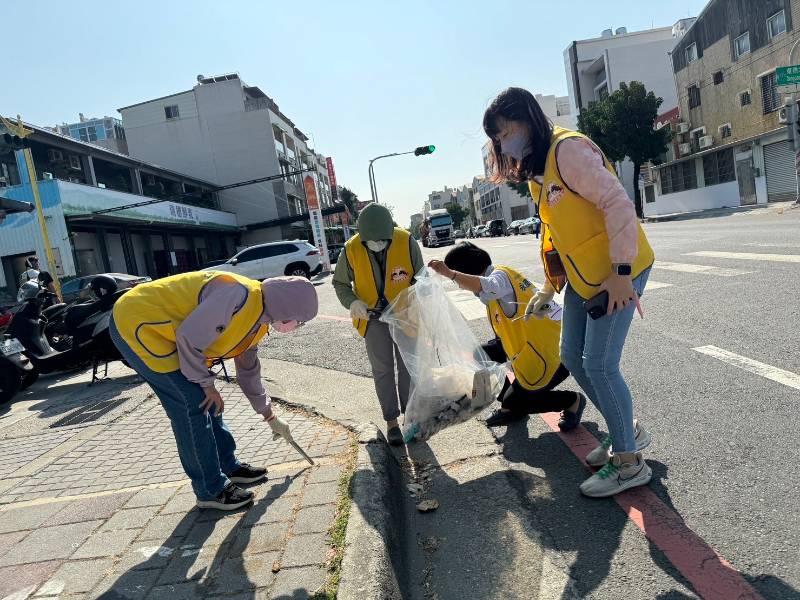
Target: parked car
[(479, 231), (458, 234), (78, 288), (214, 263), (496, 228), (513, 229), (530, 225), (274, 259), (334, 252)]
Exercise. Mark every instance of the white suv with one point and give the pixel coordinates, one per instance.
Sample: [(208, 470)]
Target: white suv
[(274, 259)]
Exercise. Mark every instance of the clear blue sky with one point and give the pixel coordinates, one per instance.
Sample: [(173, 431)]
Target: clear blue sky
[(365, 78)]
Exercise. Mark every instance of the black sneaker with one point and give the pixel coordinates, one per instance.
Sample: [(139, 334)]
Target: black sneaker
[(570, 420), (503, 417), (247, 474), (231, 498), (395, 436)]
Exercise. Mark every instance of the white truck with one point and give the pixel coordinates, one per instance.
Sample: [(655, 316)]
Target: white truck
[(437, 229)]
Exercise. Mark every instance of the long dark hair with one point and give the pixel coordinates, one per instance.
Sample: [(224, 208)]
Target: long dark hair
[(517, 104)]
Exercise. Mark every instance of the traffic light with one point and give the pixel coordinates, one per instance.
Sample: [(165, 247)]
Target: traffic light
[(422, 150), (14, 142)]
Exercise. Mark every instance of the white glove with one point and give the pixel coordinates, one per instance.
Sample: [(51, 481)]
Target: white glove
[(280, 428), (358, 310), (539, 301)]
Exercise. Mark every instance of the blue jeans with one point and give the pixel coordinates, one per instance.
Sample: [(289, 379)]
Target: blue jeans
[(592, 350), (205, 444)]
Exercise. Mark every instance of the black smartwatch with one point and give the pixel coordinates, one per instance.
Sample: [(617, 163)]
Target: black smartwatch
[(621, 269)]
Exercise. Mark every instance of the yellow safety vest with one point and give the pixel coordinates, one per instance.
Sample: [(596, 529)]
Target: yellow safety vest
[(398, 275), (148, 316), (576, 228), (532, 346)]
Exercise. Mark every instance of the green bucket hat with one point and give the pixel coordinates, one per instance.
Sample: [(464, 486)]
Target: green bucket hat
[(375, 223)]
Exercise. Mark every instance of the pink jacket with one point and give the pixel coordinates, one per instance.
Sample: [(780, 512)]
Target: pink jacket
[(581, 166)]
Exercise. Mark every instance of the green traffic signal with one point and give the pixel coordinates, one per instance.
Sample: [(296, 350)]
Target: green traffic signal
[(422, 150)]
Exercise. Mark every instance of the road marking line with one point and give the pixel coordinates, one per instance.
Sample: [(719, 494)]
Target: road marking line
[(786, 378), (711, 576), (694, 268), (656, 285), (789, 258)]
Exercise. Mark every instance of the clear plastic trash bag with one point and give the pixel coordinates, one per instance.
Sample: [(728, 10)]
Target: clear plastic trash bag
[(452, 378)]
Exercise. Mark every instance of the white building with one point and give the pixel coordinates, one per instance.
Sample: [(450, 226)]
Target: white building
[(439, 199), (557, 109), (596, 67), (227, 132), (498, 200)]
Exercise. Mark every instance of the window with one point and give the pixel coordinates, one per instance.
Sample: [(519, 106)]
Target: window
[(678, 178), (92, 131), (254, 254), (745, 98), (691, 53), (172, 112), (769, 93), (776, 24), (741, 45), (719, 77), (718, 167), (74, 162), (725, 131), (82, 133), (694, 96)]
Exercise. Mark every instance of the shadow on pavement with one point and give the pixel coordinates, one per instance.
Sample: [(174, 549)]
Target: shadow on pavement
[(180, 560)]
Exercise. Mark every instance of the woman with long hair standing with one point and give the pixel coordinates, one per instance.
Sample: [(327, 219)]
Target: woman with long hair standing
[(592, 244)]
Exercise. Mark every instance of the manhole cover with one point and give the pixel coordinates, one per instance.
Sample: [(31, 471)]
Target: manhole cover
[(87, 414)]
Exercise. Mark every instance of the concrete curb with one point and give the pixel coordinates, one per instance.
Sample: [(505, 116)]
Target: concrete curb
[(374, 536), (713, 212), (369, 569)]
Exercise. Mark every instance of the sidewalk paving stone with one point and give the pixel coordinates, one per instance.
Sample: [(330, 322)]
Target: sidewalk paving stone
[(151, 497), (320, 493), (131, 585), (17, 578), (101, 507), (239, 574), (193, 563), (49, 543), (77, 577), (132, 518), (314, 519), (106, 543), (303, 550), (19, 519), (274, 510), (299, 582), (262, 538), (173, 525), (177, 591)]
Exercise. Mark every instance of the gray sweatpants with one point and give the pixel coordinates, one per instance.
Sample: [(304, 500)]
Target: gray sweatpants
[(383, 353)]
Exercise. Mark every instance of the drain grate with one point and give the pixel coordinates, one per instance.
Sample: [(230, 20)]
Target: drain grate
[(87, 414)]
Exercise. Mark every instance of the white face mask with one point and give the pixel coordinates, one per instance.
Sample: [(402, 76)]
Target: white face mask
[(377, 246)]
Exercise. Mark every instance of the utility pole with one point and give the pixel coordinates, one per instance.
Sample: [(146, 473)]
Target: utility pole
[(19, 131)]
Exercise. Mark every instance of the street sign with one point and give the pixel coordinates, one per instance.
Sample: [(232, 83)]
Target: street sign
[(787, 75), (316, 221)]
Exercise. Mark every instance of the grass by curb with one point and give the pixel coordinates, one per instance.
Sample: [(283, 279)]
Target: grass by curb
[(338, 529)]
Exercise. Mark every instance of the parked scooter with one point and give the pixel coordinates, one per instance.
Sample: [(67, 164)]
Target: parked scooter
[(16, 370), (85, 325)]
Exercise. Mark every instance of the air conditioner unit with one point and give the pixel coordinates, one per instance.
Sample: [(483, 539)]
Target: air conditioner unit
[(685, 149), (784, 114), (706, 141), (54, 155), (47, 175), (683, 128)]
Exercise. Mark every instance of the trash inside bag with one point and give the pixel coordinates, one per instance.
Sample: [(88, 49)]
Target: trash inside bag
[(452, 378)]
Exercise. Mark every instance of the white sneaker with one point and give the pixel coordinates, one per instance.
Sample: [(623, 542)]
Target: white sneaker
[(601, 455), (617, 477)]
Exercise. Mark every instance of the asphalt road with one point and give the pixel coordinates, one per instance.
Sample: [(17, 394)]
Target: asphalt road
[(715, 372)]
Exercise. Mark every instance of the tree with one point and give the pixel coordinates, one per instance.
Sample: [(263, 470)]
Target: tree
[(622, 125), (521, 188), (349, 199), (457, 213)]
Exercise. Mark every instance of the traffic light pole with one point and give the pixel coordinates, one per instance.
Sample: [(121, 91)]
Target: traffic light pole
[(794, 124), (373, 188), (418, 151)]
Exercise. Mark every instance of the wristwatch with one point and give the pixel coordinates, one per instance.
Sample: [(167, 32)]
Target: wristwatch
[(621, 269)]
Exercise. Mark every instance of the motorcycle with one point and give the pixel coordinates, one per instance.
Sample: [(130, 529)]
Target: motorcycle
[(16, 370), (83, 331)]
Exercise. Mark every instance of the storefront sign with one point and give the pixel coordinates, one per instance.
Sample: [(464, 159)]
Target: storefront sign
[(315, 219), (332, 179)]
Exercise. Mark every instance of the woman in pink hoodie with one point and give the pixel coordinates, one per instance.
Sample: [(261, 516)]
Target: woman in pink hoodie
[(591, 240)]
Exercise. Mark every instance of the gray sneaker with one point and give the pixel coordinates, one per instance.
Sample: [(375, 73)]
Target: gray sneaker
[(601, 455), (616, 477)]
